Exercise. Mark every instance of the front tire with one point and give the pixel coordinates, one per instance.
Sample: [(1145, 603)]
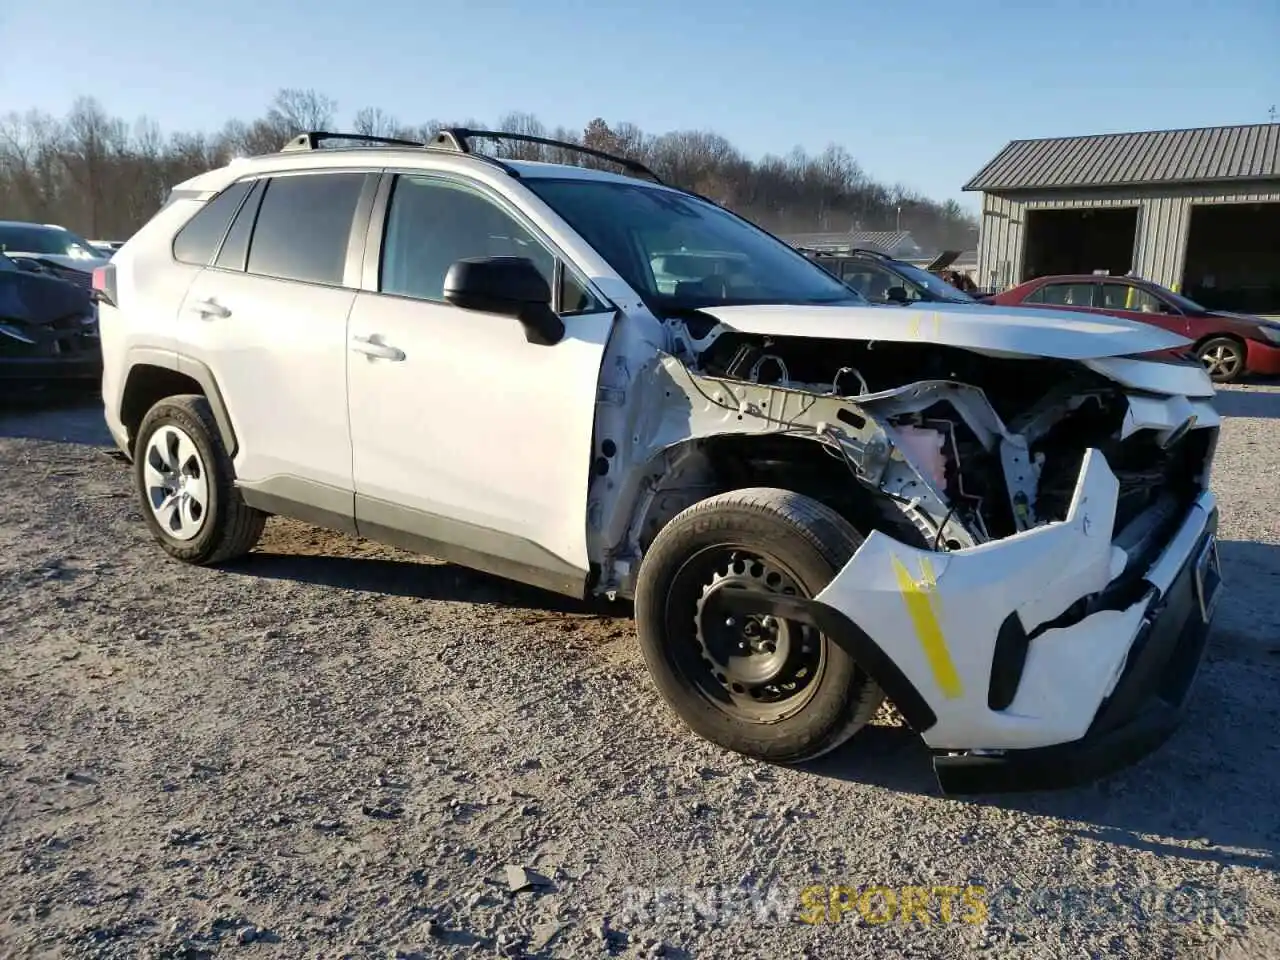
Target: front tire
[(1223, 358), (186, 484), (770, 689)]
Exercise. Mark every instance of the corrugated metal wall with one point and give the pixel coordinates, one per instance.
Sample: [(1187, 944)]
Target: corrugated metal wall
[(1163, 218)]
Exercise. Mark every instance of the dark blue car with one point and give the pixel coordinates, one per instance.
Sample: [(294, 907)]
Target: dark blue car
[(48, 326)]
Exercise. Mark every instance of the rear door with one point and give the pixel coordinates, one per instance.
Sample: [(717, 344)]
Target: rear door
[(1065, 295), (269, 319)]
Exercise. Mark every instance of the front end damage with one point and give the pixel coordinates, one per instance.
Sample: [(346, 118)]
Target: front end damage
[(1039, 569)]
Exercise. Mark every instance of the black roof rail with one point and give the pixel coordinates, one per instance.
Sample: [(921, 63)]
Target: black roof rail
[(455, 138), (312, 140)]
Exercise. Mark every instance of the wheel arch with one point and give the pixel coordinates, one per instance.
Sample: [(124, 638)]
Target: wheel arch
[(156, 374), (1221, 335), (697, 469)]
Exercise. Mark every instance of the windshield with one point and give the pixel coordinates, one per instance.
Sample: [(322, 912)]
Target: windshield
[(1185, 304), (33, 238), (680, 253), (933, 283)]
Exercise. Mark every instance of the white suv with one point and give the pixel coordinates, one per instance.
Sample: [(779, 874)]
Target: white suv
[(999, 519)]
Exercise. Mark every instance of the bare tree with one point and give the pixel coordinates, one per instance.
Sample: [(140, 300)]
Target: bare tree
[(97, 174), (297, 111), (375, 122)]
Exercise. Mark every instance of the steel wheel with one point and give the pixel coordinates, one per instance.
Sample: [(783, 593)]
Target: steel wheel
[(755, 669), (769, 688), (1223, 359), (176, 482)]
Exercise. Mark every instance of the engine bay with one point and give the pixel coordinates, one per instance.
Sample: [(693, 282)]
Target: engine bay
[(991, 444)]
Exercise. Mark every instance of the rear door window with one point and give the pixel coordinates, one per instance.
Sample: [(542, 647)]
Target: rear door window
[(304, 226), (197, 242), (1064, 294)]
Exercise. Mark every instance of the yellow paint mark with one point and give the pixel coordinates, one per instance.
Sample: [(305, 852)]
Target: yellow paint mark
[(913, 331), (921, 599), (937, 324)]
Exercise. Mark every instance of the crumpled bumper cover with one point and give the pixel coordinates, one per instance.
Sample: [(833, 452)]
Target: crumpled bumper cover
[(1092, 695)]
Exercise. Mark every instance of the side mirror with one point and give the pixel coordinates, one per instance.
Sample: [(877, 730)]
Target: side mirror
[(508, 286), (27, 266), (896, 295)]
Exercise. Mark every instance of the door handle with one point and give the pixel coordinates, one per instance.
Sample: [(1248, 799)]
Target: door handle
[(371, 348), (210, 308)]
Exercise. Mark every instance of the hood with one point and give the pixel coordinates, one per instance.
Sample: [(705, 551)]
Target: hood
[(39, 298), (84, 264), (1245, 318), (984, 328)]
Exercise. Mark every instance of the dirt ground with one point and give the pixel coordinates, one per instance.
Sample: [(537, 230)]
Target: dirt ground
[(336, 749)]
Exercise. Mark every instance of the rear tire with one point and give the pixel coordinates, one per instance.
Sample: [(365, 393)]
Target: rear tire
[(1223, 358), (186, 484), (773, 690)]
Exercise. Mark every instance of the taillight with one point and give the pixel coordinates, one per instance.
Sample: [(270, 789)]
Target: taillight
[(104, 284)]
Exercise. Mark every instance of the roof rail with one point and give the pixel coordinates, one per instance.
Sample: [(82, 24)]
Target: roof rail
[(312, 140), (455, 138)]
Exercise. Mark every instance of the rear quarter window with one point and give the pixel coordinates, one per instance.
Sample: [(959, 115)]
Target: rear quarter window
[(198, 241)]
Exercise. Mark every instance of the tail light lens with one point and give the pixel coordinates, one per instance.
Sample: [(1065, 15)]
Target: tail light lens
[(104, 284)]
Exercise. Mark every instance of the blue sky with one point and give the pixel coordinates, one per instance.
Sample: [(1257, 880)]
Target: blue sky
[(921, 93)]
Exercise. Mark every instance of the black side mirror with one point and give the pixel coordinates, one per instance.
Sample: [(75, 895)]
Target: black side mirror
[(896, 295), (508, 286)]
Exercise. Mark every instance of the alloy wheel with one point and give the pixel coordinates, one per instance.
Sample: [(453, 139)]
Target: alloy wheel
[(176, 481)]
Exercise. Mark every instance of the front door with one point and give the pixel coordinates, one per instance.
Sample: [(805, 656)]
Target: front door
[(1132, 302), (469, 442)]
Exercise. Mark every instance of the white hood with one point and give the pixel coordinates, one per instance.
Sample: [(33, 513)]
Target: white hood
[(1058, 334)]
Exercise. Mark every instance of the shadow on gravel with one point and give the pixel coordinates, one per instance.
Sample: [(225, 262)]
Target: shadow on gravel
[(1216, 809), (57, 417), (409, 578), (1209, 791), (1245, 403)]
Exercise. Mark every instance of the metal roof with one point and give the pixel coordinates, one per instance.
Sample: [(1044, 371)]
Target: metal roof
[(1200, 155), (886, 241)]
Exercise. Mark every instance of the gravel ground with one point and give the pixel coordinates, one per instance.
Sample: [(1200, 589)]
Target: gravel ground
[(337, 749)]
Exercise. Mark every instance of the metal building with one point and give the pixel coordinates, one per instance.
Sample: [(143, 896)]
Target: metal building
[(1195, 210)]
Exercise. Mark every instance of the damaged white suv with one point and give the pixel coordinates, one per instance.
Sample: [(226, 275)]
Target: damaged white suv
[(999, 519)]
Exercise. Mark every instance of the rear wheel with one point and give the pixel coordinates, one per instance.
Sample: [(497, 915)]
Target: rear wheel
[(762, 686), (186, 483), (1223, 357)]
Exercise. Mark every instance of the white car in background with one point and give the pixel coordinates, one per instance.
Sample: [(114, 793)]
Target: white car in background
[(999, 518), (106, 247)]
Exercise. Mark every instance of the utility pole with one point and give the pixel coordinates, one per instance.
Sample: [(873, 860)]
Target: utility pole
[(898, 222)]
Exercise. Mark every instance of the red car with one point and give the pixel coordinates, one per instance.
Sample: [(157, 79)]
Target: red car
[(1229, 344)]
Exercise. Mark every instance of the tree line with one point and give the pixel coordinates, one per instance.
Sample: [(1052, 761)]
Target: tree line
[(103, 177)]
